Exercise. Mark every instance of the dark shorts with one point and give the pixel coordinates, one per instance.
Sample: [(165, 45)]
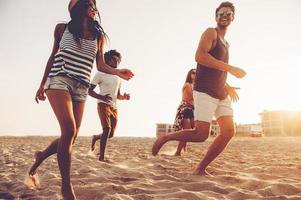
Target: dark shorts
[(188, 114), (184, 111), (108, 117)]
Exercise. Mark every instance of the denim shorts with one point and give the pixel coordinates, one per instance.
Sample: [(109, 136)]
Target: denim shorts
[(77, 89)]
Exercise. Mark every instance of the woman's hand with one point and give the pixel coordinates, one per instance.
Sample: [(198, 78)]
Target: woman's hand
[(125, 74), (40, 95)]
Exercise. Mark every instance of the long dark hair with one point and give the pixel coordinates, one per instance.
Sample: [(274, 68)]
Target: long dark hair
[(188, 77), (77, 14)]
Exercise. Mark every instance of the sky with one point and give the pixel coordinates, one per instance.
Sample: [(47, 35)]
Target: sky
[(157, 40)]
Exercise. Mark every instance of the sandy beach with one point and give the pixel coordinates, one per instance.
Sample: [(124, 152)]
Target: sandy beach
[(250, 168)]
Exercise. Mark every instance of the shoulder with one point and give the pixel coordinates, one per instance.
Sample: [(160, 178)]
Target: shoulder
[(210, 33), (97, 78), (59, 29), (187, 86), (99, 74)]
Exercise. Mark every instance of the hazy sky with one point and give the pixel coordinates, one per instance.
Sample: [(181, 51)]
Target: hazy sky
[(158, 40)]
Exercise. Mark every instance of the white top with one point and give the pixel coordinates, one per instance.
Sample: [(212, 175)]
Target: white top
[(108, 84)]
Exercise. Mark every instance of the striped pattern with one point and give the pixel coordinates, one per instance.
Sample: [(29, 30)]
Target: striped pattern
[(74, 60)]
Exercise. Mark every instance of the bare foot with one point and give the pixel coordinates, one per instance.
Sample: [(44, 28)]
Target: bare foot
[(105, 160), (38, 160), (158, 144), (202, 172), (94, 139), (177, 154), (68, 193)]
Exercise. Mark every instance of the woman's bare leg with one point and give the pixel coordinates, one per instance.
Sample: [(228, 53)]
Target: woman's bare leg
[(63, 108), (40, 156), (186, 124)]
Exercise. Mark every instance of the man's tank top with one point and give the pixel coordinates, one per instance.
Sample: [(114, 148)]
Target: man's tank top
[(213, 81)]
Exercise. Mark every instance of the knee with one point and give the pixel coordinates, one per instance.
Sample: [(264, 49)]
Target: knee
[(75, 136), (228, 132), (69, 132), (106, 132), (201, 135)]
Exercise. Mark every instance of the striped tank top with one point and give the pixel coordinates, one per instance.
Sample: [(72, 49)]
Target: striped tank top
[(74, 60)]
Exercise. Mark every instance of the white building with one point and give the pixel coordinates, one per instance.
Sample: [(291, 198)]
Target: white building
[(281, 122), (163, 129), (248, 129), (215, 130)]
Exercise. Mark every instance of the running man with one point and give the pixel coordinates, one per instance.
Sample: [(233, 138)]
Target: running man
[(212, 95), (109, 92)]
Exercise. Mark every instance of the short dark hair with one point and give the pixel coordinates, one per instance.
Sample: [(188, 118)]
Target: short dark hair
[(110, 54), (225, 4)]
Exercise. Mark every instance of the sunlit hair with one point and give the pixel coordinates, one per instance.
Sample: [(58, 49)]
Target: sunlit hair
[(225, 4), (110, 54), (188, 77), (77, 14)]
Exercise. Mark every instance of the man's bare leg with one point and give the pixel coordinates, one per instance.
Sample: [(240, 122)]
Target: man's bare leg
[(103, 143), (94, 139), (199, 134), (218, 145)]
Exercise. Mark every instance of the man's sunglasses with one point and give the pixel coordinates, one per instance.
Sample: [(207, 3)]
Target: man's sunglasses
[(227, 14)]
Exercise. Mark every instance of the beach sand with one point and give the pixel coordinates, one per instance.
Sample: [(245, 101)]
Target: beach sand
[(250, 168)]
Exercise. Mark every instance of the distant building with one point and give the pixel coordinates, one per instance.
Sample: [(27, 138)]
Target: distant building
[(163, 129), (281, 123), (248, 129), (215, 130)]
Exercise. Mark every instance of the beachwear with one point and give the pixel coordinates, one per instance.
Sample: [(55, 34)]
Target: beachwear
[(108, 117), (210, 94), (213, 81), (78, 91), (108, 84), (184, 111), (207, 107), (74, 60)]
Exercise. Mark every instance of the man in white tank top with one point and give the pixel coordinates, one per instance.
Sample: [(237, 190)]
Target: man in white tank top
[(109, 92)]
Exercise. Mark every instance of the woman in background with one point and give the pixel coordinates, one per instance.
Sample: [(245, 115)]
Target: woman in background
[(184, 117)]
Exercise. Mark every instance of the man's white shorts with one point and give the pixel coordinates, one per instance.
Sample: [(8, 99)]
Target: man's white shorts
[(205, 107)]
